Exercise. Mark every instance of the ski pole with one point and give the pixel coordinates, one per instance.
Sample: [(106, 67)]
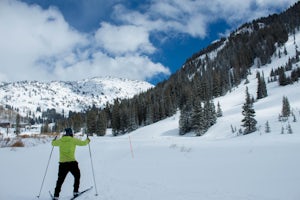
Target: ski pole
[(92, 168), (46, 170)]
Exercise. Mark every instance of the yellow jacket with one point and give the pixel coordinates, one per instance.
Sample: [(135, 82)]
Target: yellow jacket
[(67, 146)]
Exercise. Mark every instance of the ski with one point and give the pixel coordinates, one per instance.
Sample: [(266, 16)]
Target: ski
[(80, 193)]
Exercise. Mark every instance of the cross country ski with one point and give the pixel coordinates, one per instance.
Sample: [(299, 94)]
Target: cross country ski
[(80, 193), (75, 196)]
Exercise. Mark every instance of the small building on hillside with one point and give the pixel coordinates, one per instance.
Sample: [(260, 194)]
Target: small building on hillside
[(5, 124)]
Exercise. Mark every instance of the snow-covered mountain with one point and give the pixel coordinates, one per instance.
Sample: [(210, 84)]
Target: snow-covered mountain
[(29, 96)]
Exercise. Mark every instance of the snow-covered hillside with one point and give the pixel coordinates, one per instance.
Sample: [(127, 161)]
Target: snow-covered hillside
[(27, 96), (154, 162), (267, 109)]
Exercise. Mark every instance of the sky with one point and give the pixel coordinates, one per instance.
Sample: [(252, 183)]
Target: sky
[(148, 40)]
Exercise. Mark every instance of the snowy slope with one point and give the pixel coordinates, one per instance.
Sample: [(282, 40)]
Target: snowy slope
[(27, 96), (165, 166)]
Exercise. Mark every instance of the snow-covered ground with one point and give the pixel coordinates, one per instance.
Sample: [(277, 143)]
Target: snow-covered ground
[(165, 166), (161, 165)]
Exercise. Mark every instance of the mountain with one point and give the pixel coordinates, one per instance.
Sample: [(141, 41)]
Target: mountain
[(33, 97), (225, 63), (220, 68), (208, 74)]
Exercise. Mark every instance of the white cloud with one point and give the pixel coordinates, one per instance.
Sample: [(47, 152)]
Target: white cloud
[(27, 34), (272, 3), (125, 39), (166, 16), (39, 44), (134, 67), (193, 17)]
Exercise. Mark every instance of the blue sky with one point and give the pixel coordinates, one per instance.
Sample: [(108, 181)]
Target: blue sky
[(139, 39)]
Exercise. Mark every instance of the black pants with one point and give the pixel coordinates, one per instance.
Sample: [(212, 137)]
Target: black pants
[(64, 169)]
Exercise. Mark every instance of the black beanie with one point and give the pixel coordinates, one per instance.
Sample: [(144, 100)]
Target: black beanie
[(69, 132)]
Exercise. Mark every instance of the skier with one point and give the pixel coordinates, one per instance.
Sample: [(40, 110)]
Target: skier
[(67, 162)]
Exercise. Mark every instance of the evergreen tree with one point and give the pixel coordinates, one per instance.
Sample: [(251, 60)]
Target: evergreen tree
[(267, 127), (233, 130), (101, 124), (282, 130), (116, 119), (124, 119), (249, 122), (283, 80), (77, 122), (264, 86), (285, 51), (286, 110), (18, 118), (199, 124), (210, 114), (149, 116), (185, 120), (219, 110), (289, 129), (133, 122), (91, 121), (294, 117), (261, 87)]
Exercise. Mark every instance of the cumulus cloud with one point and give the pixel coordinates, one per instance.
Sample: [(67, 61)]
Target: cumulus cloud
[(27, 35), (124, 39), (38, 44), (134, 66), (165, 16), (193, 17)]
